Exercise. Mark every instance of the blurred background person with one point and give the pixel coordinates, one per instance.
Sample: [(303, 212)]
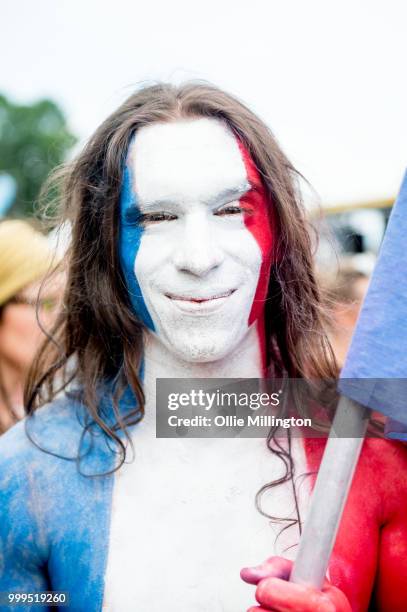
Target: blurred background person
[(345, 292), (29, 300)]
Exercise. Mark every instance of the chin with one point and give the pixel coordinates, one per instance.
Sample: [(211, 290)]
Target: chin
[(200, 350)]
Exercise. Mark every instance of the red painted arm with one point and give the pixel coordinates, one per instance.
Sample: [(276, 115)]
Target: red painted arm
[(369, 561), (390, 591)]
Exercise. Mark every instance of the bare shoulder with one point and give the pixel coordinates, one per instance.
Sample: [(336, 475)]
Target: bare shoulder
[(54, 429)]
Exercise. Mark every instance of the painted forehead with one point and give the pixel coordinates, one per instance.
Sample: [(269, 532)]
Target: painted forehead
[(195, 160)]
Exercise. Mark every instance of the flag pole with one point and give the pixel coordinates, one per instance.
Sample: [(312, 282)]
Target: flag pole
[(330, 492), (374, 375)]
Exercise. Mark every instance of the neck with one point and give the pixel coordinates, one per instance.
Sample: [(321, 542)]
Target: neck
[(246, 361), (11, 392)]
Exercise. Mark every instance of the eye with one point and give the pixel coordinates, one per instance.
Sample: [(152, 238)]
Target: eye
[(231, 210), (48, 304), (158, 217), (134, 217)]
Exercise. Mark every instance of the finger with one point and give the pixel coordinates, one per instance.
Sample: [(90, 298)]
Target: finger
[(337, 597), (274, 566), (289, 597)]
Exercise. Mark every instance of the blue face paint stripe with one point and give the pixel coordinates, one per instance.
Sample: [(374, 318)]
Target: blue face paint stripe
[(130, 235)]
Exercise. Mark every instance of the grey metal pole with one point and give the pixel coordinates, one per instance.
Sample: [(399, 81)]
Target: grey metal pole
[(330, 492)]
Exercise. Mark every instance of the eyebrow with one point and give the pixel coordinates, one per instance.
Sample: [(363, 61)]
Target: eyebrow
[(224, 196), (228, 195)]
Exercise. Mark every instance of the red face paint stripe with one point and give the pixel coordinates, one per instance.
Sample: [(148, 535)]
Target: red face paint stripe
[(259, 225)]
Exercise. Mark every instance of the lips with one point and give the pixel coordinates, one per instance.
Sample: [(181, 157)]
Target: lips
[(200, 305), (199, 299)]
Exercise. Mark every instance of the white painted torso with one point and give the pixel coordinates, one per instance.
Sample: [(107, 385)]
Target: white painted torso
[(184, 522)]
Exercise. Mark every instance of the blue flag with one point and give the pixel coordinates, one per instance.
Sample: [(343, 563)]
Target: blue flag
[(375, 370)]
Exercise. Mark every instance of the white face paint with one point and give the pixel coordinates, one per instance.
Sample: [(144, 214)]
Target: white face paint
[(197, 265)]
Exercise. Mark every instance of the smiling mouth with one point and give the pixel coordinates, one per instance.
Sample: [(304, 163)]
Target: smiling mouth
[(199, 300)]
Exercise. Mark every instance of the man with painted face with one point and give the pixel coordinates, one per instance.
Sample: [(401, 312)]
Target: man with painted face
[(190, 258)]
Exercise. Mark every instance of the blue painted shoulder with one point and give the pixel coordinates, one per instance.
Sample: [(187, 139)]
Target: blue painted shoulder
[(54, 511)]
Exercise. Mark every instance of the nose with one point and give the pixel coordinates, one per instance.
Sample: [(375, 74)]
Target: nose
[(197, 251)]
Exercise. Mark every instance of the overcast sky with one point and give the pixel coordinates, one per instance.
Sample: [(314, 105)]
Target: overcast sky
[(328, 76)]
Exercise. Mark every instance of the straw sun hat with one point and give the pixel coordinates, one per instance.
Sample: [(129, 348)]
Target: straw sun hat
[(25, 256)]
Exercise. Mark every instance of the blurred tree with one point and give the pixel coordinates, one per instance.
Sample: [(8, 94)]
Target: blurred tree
[(33, 140)]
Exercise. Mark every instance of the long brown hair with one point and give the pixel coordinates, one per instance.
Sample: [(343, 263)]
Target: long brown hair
[(98, 336)]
